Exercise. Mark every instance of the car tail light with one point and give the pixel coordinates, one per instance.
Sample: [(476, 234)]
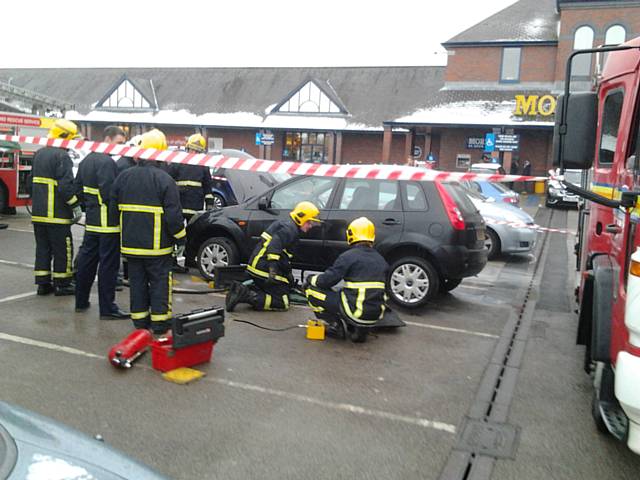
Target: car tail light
[(453, 212), (512, 200)]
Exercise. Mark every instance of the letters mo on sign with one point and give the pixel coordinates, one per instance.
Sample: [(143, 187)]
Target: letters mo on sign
[(544, 105)]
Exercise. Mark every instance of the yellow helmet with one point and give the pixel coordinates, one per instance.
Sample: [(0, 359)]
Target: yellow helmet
[(64, 129), (153, 139), (304, 212), (197, 143), (361, 230)]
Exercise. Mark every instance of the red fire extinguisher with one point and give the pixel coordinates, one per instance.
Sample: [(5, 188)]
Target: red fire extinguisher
[(125, 352)]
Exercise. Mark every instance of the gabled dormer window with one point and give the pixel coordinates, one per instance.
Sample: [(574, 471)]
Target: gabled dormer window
[(127, 95), (311, 98)]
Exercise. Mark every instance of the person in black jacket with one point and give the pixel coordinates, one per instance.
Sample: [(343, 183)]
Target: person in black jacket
[(54, 208), (364, 272), (151, 223), (100, 245), (195, 184), (269, 263)]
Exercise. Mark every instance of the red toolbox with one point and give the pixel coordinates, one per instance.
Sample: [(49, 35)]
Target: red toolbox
[(164, 357)]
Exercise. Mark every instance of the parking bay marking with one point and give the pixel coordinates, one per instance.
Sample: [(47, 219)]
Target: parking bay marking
[(344, 407), (16, 264), (17, 297)]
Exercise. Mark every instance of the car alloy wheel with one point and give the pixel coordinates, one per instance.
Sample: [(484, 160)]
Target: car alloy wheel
[(216, 252), (214, 256), (409, 283), (492, 244), (218, 201)]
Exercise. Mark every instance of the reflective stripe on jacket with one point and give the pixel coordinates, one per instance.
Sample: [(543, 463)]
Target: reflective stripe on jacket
[(94, 179), (195, 184), (52, 190), (277, 241), (364, 272), (147, 202)]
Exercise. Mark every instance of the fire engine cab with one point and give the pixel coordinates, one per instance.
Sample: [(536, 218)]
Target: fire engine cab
[(15, 158), (599, 131)]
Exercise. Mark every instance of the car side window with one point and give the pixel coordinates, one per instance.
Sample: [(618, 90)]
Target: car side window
[(415, 197), (313, 189), (476, 186), (361, 194)]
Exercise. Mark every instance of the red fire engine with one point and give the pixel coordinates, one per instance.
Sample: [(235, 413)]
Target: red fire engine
[(599, 130), (15, 159)]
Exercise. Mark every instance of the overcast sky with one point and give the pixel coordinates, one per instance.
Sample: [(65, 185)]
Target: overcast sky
[(233, 33)]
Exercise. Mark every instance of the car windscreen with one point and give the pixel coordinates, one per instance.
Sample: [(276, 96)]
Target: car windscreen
[(459, 195), (501, 188)]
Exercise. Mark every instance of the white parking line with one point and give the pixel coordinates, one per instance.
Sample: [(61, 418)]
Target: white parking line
[(19, 230), (451, 329), (16, 264), (17, 297), (344, 407)]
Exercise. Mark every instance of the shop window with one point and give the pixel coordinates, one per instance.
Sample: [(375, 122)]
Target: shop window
[(510, 70), (581, 64), (310, 147), (616, 34), (463, 161), (124, 95), (610, 124)]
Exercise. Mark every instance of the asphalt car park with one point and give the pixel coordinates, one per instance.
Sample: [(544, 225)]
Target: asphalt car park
[(275, 405)]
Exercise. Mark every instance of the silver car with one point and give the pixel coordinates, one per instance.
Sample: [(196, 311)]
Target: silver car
[(509, 228)]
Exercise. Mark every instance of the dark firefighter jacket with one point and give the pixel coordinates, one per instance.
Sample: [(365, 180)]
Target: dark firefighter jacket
[(52, 190), (124, 163), (94, 179), (195, 183), (147, 200), (274, 249), (364, 272)]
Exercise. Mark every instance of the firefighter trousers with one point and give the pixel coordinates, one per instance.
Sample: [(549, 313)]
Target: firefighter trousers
[(150, 283), (325, 303), (99, 252), (53, 241), (270, 296)]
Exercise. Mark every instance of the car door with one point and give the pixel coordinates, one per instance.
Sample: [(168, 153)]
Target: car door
[(378, 200), (309, 253)]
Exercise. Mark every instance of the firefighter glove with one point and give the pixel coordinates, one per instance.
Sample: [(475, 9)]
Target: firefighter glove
[(77, 214)]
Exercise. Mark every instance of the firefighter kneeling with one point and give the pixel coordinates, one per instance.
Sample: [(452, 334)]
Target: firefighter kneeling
[(361, 301), (269, 264)]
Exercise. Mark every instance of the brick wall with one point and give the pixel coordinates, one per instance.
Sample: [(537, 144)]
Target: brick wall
[(600, 19), (239, 139), (367, 148)]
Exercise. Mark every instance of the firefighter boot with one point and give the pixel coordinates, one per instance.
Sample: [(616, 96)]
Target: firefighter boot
[(64, 290), (238, 293), (45, 289)]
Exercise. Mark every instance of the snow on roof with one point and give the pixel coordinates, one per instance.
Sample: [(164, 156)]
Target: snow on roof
[(471, 113)]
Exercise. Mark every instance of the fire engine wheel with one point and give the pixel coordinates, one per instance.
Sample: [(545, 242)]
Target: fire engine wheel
[(412, 282), (216, 252)]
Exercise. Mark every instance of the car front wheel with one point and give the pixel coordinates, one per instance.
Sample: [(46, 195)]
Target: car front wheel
[(412, 282), (216, 252), (492, 243), (218, 201)]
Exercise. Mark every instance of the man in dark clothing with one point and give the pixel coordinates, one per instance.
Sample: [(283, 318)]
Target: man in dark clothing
[(269, 263), (526, 171), (100, 245), (364, 272), (151, 222), (195, 184), (54, 208)]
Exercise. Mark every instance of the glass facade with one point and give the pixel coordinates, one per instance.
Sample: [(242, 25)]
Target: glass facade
[(311, 147)]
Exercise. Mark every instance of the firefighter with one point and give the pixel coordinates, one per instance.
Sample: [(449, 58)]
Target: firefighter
[(100, 247), (364, 271), (269, 264), (151, 223), (195, 184), (54, 208)]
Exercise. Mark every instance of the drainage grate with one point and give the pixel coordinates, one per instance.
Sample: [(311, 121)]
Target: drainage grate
[(486, 438)]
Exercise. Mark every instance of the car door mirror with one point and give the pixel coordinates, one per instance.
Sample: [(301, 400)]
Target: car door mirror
[(263, 203)]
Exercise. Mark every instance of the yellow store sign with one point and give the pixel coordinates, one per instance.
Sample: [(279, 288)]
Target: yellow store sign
[(532, 105)]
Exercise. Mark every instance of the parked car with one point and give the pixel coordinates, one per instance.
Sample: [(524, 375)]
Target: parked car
[(557, 195), (33, 446), (429, 232), (504, 238), (498, 191), (493, 168)]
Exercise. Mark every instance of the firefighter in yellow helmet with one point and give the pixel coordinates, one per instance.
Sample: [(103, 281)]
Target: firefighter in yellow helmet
[(269, 264), (54, 208), (146, 201), (361, 300)]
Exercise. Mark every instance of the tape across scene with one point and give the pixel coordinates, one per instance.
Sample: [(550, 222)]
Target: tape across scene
[(369, 171)]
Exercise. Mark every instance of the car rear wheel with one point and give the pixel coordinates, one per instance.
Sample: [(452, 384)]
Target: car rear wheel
[(412, 282), (216, 252), (218, 201), (492, 242)]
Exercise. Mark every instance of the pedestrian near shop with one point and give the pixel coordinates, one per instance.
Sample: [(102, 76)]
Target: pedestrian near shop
[(151, 223), (269, 265), (195, 184), (513, 170), (54, 208), (364, 272), (100, 249), (526, 171)]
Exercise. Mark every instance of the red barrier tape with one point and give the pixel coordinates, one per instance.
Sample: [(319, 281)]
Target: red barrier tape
[(378, 172)]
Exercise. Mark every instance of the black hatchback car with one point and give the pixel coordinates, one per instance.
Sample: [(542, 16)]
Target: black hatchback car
[(430, 233)]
